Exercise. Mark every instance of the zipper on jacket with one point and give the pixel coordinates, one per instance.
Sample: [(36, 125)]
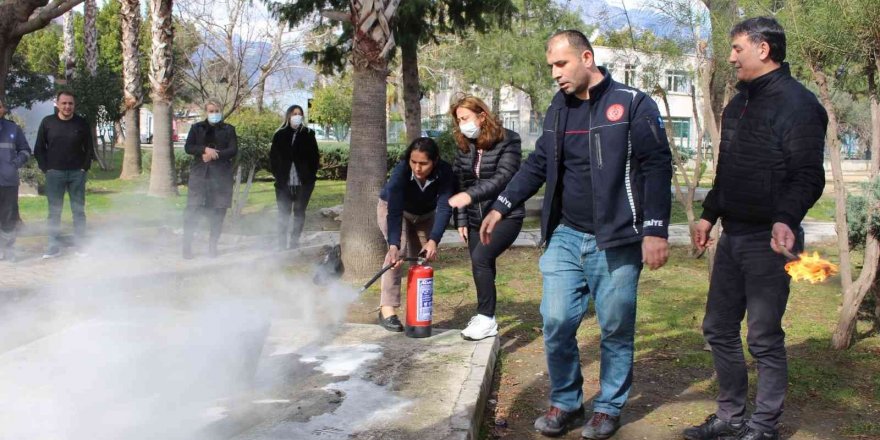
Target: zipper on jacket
[(477, 178), (599, 150)]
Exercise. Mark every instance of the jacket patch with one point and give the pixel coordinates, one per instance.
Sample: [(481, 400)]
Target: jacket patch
[(505, 201), (650, 223), (614, 112)]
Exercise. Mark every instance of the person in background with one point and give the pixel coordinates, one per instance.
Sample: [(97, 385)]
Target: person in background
[(294, 160), (14, 153), (487, 158), (213, 144), (412, 213), (64, 150)]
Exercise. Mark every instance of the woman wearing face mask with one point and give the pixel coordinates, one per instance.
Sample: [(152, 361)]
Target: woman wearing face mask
[(213, 144), (412, 213), (294, 160), (487, 158)]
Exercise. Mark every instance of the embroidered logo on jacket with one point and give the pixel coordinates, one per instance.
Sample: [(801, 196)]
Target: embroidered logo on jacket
[(614, 112), (649, 223)]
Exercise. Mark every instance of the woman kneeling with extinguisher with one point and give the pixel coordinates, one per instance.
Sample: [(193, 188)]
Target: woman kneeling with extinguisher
[(412, 213)]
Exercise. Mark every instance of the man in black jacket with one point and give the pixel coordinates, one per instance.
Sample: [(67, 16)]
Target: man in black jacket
[(64, 152), (769, 174), (607, 167)]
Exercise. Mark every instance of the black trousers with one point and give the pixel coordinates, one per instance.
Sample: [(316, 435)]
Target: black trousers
[(8, 215), (296, 200), (749, 277), (191, 218), (483, 259)]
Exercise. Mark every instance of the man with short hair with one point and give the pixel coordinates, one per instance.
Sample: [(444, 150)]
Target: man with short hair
[(64, 151), (770, 172), (605, 159), (14, 153)]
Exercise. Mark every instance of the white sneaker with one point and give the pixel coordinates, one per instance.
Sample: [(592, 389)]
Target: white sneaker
[(480, 327), (51, 254)]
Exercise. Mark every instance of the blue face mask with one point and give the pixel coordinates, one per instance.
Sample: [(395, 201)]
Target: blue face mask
[(215, 117)]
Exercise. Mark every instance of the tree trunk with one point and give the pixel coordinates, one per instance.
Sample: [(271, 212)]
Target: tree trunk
[(7, 49), (837, 172), (68, 54), (261, 95), (362, 243), (686, 196), (131, 161), (162, 181), (853, 296), (496, 101), (133, 88), (409, 70), (874, 94), (90, 36)]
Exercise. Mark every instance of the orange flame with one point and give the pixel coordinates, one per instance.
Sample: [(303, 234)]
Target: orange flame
[(810, 268)]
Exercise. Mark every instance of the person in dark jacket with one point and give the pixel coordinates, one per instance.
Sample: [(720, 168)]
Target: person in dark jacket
[(770, 172), (14, 153), (64, 150), (294, 160), (213, 144), (607, 167), (488, 156), (412, 213)]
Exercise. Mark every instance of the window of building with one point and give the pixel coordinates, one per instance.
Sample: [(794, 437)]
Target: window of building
[(510, 120), (534, 125), (677, 81), (629, 75), (681, 132)]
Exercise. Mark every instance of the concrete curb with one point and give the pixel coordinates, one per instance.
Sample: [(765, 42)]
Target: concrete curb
[(467, 413)]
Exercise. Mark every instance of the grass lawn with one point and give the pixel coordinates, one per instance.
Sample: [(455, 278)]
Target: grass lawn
[(831, 394)]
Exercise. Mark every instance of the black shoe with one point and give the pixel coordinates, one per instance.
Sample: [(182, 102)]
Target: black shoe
[(601, 426), (750, 433), (391, 323), (556, 422), (712, 429)]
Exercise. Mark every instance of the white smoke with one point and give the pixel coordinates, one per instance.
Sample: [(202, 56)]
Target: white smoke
[(107, 352)]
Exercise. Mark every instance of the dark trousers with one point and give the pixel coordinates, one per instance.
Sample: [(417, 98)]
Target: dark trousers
[(749, 277), (297, 200), (72, 182), (483, 260), (8, 215), (191, 218)]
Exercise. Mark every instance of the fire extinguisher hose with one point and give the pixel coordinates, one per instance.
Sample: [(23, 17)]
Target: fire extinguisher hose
[(379, 274)]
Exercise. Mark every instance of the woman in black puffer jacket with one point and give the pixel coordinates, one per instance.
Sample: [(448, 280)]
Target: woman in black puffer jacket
[(488, 156), (294, 159)]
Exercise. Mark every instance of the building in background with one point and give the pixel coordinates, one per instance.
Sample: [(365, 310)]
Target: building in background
[(637, 69)]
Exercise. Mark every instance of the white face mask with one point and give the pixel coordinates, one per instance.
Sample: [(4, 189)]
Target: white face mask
[(296, 120), (469, 129)]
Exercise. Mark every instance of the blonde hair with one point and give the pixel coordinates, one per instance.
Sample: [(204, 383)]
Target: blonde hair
[(491, 131)]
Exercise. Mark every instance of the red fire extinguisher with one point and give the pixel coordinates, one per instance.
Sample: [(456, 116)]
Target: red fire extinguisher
[(419, 300)]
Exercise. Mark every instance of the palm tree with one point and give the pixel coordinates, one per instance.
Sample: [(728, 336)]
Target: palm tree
[(90, 36), (362, 244), (162, 182), (133, 91), (68, 54)]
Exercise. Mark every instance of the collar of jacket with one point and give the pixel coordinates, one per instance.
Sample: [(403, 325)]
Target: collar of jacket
[(755, 86), (561, 99)]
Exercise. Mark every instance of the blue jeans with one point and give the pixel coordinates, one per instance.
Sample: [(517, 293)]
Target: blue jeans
[(574, 270), (73, 182)]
